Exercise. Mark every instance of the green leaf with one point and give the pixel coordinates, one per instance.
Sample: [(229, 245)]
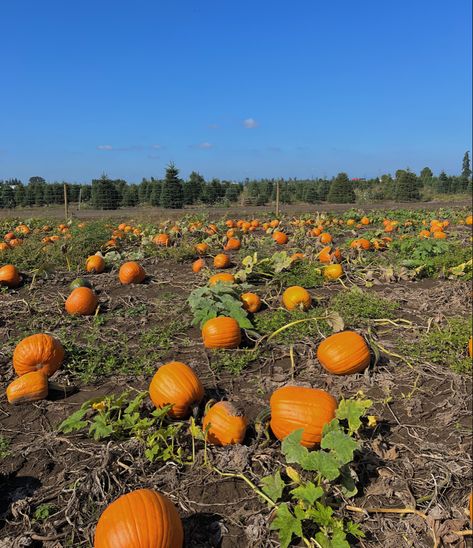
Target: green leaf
[(322, 514), (341, 444), (99, 428), (339, 539), (74, 422), (292, 448), (347, 483), (322, 462), (308, 492), (273, 486), (286, 524), (352, 411), (354, 529)]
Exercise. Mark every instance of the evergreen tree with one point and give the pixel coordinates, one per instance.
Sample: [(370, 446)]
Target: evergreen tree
[(443, 183), (426, 173), (311, 195), (86, 193), (48, 196), (20, 195), (172, 195), (407, 188), (194, 187), (466, 169), (156, 188), (232, 193), (104, 193), (8, 196), (341, 190), (130, 196), (208, 195)]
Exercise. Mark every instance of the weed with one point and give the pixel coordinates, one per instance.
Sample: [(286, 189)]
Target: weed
[(233, 361), (356, 305), (4, 447), (43, 511), (270, 321), (303, 273)]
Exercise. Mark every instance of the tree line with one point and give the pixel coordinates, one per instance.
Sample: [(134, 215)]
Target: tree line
[(174, 193)]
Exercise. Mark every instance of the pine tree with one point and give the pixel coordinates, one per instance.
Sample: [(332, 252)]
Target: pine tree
[(443, 183), (341, 190), (466, 169), (194, 187), (104, 193), (407, 188), (426, 173), (311, 195), (155, 194), (232, 193), (172, 195)]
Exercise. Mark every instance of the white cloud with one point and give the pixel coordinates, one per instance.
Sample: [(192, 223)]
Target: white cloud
[(105, 147), (205, 146), (156, 147), (250, 123)]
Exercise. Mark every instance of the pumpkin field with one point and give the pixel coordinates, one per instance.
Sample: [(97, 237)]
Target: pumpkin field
[(204, 381)]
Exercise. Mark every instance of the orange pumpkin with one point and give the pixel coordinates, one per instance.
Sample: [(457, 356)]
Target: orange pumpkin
[(95, 263), (198, 265), (469, 220), (361, 243), (81, 302), (9, 276), (140, 519), (176, 384), (333, 272), (470, 347), (424, 234), (221, 332), (325, 238), (251, 302), (232, 244), (202, 248), (4, 246), (222, 277), (162, 239), (280, 238), (440, 235), (365, 221), (221, 261), (295, 257), (131, 272), (294, 408), (32, 386), (39, 352), (296, 297), (344, 353), (224, 424)]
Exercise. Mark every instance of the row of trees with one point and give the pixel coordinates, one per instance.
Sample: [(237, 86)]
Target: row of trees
[(173, 192)]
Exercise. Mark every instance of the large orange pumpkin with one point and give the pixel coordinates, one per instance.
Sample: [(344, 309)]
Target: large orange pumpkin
[(232, 244), (9, 276), (95, 263), (176, 384), (39, 352), (202, 248), (221, 261), (141, 519), (280, 238), (361, 243), (81, 302), (162, 239), (344, 353), (332, 271), (226, 424), (296, 297), (32, 386), (131, 272), (222, 277), (295, 407), (221, 332)]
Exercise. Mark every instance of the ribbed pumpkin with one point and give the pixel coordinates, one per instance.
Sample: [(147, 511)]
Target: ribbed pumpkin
[(95, 263), (361, 243), (365, 221), (295, 407), (4, 246), (9, 276), (333, 272), (221, 332), (131, 272), (227, 424), (162, 239), (251, 302), (280, 238), (232, 244), (325, 238), (222, 277), (39, 352), (32, 386), (344, 353), (176, 383), (296, 297), (329, 256), (198, 265), (141, 519), (81, 302), (221, 261), (202, 248)]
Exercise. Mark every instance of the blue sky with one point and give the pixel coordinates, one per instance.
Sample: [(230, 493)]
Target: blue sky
[(233, 89)]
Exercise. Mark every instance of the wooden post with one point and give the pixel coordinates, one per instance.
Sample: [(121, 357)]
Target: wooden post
[(80, 197), (66, 212), (277, 198)]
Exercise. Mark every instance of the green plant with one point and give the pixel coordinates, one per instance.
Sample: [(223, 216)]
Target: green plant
[(270, 321), (122, 417), (254, 268), (233, 361), (4, 447), (43, 512), (302, 273), (306, 500), (356, 305)]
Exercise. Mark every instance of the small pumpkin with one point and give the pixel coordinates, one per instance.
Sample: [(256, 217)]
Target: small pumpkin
[(470, 347), (4, 246), (95, 263), (344, 353), (222, 277), (221, 260), (131, 272), (81, 302), (221, 332), (10, 276), (233, 244), (325, 238), (280, 237), (226, 424), (333, 272), (251, 302), (176, 384), (365, 221), (162, 239), (80, 282), (296, 297), (202, 248), (296, 407), (329, 256), (32, 386), (40, 352), (140, 519), (361, 243), (198, 265)]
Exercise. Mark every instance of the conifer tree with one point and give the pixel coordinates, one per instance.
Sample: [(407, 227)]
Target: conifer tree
[(341, 190), (172, 195), (407, 188)]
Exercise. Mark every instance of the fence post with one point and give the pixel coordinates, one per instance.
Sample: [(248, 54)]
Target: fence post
[(66, 212), (80, 197)]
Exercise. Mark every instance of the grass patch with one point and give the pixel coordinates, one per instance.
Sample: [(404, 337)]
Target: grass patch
[(302, 273), (4, 447), (270, 321), (355, 305), (233, 361)]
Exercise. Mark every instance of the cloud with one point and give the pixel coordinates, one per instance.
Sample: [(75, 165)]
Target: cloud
[(120, 149), (105, 147), (205, 146), (250, 123), (156, 147)]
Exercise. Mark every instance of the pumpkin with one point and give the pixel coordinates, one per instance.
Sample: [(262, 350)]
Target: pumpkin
[(226, 424), (80, 282), (222, 277), (141, 519), (221, 261), (221, 332), (9, 276), (131, 272), (176, 384), (295, 257), (232, 244), (39, 352), (162, 239), (469, 220), (333, 272), (424, 234), (274, 223), (81, 302), (296, 297), (365, 221), (325, 238), (251, 302), (202, 248), (280, 238), (4, 246), (32, 386), (361, 243), (344, 353), (440, 235), (329, 256), (198, 265), (295, 408), (470, 347), (95, 263)]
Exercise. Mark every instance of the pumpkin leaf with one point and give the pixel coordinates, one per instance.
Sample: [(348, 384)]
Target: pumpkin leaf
[(324, 463), (352, 410), (273, 486), (99, 428), (286, 524), (342, 444), (308, 492), (74, 422), (292, 448), (335, 321)]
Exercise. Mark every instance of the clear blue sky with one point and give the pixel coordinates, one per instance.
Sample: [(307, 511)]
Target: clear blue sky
[(233, 88)]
